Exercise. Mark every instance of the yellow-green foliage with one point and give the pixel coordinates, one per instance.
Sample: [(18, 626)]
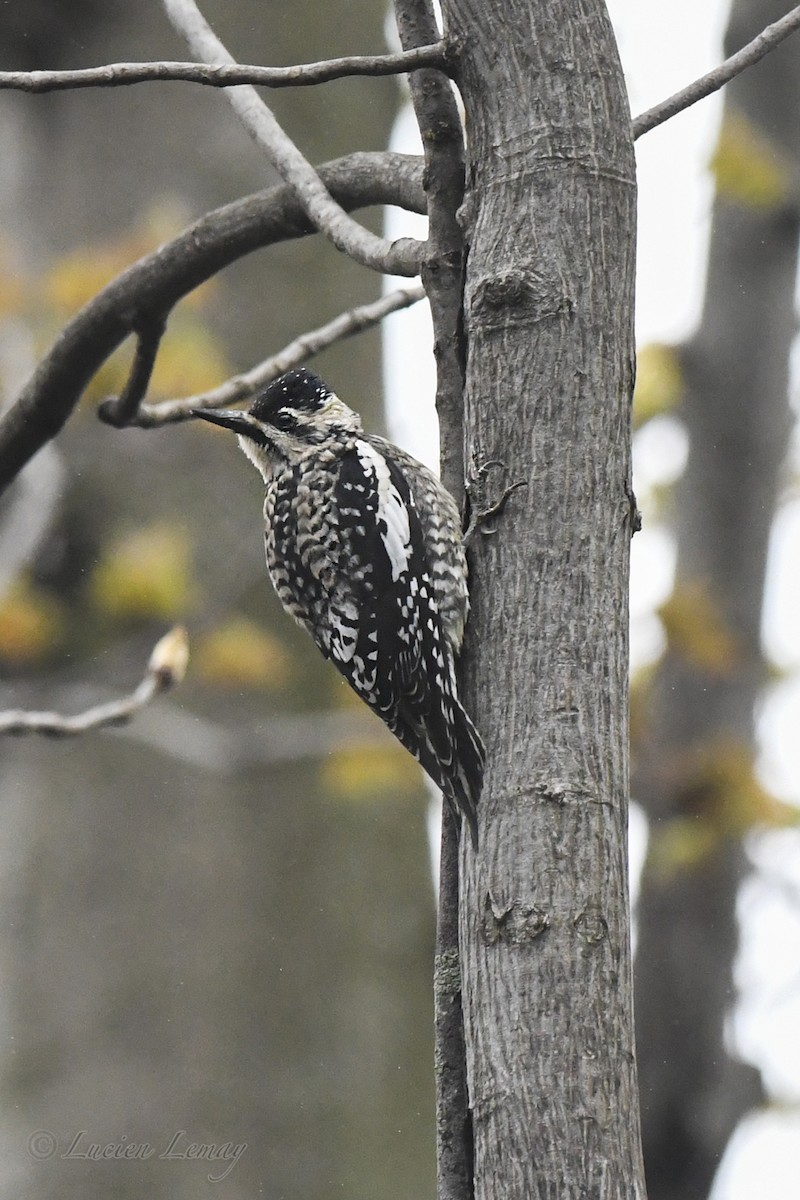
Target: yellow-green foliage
[(78, 276), (14, 286), (240, 653), (360, 774), (696, 629), (189, 361), (146, 573), (659, 382), (31, 625), (142, 574), (748, 167), (190, 358), (722, 798)]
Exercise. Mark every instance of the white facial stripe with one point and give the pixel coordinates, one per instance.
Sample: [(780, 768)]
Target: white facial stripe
[(391, 510), (258, 456)]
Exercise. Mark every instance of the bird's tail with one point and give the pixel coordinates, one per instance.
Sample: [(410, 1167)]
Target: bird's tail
[(462, 787), (450, 749)]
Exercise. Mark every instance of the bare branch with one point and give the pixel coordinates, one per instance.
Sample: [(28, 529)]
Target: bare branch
[(443, 264), (241, 387), (156, 283), (166, 668), (442, 275), (453, 1118), (399, 258), (124, 74), (750, 54)]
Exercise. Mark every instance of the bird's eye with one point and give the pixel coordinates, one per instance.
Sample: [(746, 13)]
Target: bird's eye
[(284, 419)]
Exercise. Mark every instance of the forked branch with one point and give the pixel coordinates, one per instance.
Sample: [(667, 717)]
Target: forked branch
[(241, 387), (121, 410), (154, 285), (400, 258)]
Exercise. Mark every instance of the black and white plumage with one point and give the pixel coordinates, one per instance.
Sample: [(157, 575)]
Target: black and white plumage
[(364, 549)]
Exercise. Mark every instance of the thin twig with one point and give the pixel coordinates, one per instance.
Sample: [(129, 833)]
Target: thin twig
[(398, 258), (454, 1142), (242, 387), (157, 282), (443, 265), (750, 54), (123, 74), (121, 410), (442, 274), (166, 668)]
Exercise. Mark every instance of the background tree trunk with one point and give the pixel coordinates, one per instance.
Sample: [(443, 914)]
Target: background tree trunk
[(695, 758), (550, 219)]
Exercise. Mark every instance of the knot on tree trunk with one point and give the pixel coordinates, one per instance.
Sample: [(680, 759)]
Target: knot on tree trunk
[(519, 293), (512, 922)]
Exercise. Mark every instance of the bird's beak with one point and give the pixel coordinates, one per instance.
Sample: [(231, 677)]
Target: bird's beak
[(228, 418)]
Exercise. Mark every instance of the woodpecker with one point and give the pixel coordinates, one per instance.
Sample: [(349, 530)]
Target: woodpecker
[(364, 549)]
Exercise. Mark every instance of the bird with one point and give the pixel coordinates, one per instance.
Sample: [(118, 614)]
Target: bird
[(364, 549)]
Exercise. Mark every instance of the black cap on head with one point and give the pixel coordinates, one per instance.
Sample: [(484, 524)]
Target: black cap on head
[(299, 389)]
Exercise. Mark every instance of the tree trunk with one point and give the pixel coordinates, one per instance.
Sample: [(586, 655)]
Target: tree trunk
[(550, 220)]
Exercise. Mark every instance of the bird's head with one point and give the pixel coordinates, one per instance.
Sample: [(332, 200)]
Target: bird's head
[(294, 414)]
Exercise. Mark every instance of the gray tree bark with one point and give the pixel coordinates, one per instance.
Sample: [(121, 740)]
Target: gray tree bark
[(549, 218), (736, 412)]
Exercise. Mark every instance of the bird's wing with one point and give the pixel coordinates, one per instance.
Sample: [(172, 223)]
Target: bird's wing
[(441, 527), (387, 639)]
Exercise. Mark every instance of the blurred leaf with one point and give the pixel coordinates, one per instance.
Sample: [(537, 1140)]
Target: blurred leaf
[(76, 278), (681, 844), (145, 574), (370, 771), (722, 798), (696, 629), (641, 687), (110, 379), (748, 167), (659, 382), (242, 654), (15, 287), (31, 624), (190, 360), (722, 784)]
